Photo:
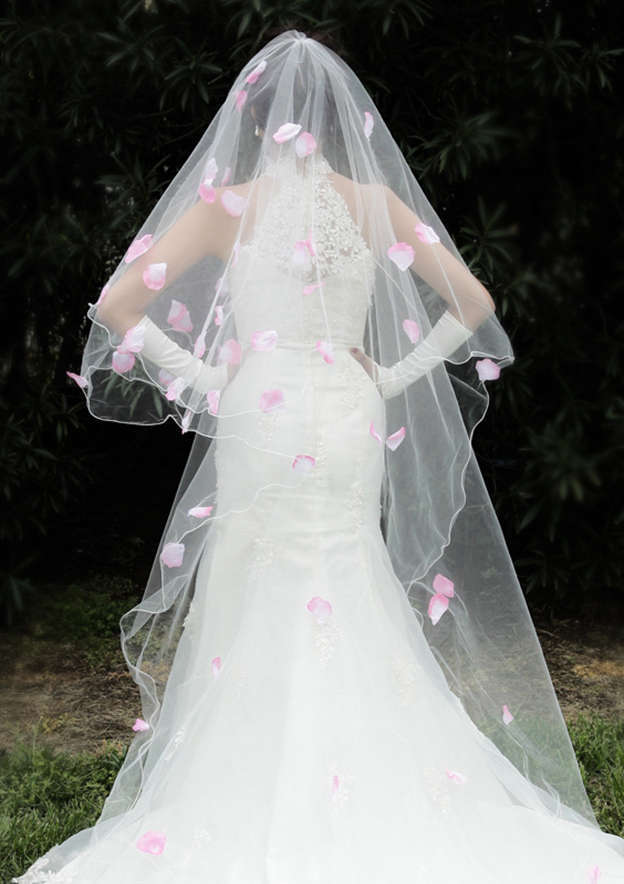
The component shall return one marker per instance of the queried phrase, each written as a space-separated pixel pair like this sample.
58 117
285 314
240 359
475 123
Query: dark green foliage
509 115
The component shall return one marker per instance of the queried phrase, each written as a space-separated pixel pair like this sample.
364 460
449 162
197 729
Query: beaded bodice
306 272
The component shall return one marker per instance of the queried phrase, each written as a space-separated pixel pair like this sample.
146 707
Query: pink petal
122 362
199 347
507 716
179 317
593 875
175 388
368 123
80 380
303 463
253 76
301 254
395 439
374 432
444 585
226 176
264 340
154 276
402 254
271 399
487 369
213 397
456 776
438 604
305 144
241 98
335 783
411 329
138 247
140 725
206 191
200 511
133 340
286 131
152 842
218 320
103 293
165 377
321 608
326 350
216 666
425 233
233 203
230 352
172 554
308 289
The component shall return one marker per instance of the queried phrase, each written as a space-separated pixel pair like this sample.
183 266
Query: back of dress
331 535
282 294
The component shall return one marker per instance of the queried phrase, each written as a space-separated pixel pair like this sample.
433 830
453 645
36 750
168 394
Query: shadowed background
510 118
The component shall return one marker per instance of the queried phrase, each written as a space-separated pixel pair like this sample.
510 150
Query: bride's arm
468 298
205 229
470 304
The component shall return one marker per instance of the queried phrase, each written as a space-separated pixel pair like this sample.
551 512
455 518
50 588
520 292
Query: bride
340 680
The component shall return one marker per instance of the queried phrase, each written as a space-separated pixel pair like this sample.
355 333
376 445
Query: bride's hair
264 96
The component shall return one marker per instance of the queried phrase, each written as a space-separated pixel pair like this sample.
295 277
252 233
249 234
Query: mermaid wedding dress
313 737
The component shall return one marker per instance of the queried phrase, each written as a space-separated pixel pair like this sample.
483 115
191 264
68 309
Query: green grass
45 796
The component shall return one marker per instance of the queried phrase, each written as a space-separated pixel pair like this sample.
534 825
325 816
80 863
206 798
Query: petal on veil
271 399
152 842
487 369
443 585
438 604
394 440
303 462
138 247
122 361
374 432
179 317
172 554
154 276
402 254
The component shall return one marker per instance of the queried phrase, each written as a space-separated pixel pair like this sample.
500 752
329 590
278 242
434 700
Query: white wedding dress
316 740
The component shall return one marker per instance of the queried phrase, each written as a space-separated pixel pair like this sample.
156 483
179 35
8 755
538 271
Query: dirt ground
74 708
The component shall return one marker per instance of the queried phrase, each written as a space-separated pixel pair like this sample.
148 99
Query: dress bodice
317 290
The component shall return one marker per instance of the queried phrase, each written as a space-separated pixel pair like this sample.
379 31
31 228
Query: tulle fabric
275 251
307 731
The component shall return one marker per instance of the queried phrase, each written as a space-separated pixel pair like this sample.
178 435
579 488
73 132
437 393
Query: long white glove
444 338
160 349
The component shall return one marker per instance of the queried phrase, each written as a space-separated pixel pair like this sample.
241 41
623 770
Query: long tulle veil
311 112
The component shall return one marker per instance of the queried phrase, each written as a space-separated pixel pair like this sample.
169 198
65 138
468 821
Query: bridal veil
296 109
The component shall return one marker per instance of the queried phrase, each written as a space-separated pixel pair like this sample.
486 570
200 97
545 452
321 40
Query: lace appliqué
36 874
267 421
436 783
340 786
339 246
407 675
262 556
325 636
174 745
190 620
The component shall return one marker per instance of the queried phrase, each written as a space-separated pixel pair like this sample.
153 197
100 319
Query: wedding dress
307 732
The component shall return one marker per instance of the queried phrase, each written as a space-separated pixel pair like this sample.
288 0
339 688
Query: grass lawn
68 704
